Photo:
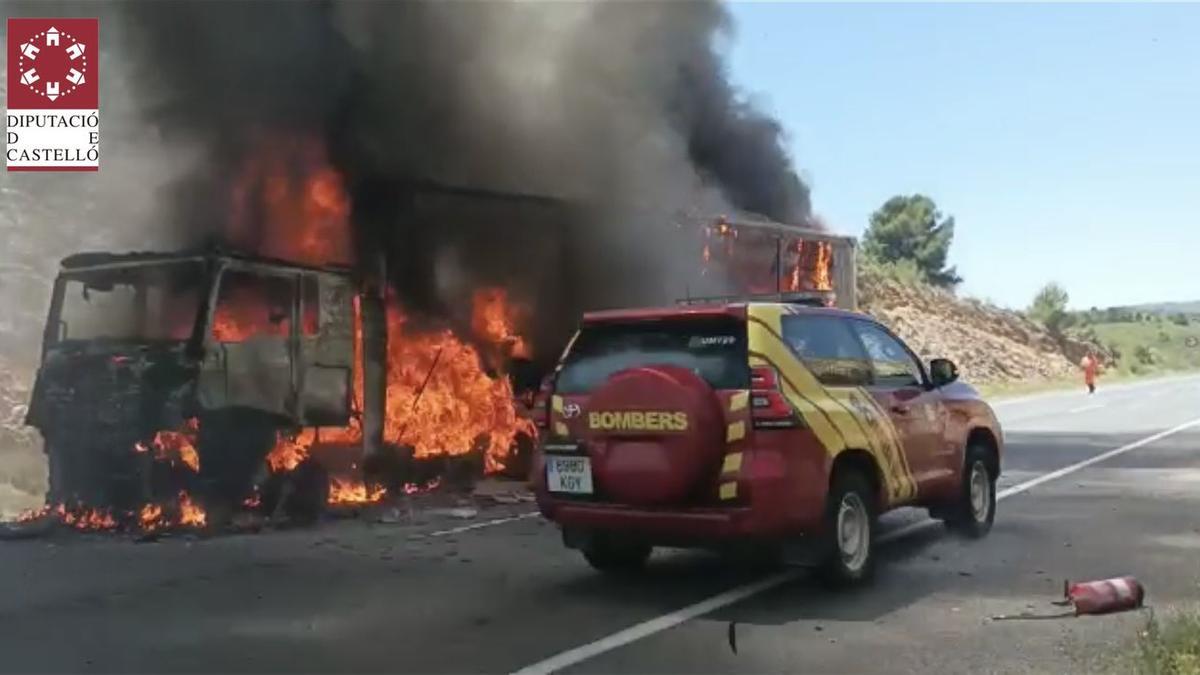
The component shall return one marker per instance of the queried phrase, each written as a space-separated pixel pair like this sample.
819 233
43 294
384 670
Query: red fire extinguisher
1105 596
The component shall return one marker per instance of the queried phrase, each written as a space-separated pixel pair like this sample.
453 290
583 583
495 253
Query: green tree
1050 308
912 228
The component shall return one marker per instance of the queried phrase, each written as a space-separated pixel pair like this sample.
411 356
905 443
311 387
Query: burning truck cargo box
758 257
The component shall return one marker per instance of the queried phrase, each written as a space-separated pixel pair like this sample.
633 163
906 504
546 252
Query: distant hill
1167 308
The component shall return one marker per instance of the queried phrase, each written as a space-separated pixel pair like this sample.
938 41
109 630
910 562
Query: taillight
541 404
769 409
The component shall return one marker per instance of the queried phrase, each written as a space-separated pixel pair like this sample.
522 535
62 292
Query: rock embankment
989 344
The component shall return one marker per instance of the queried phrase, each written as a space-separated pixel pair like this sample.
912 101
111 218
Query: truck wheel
610 555
975 509
849 537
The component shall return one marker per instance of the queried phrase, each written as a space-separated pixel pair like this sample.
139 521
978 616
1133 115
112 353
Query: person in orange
1091 366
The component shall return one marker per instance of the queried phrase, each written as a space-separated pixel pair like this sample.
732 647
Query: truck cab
141 343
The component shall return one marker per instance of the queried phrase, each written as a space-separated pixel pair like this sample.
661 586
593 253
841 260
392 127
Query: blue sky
1063 138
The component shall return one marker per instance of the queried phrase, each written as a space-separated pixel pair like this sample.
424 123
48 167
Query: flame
33 514
153 517
247 311
171 445
191 514
289 202
753 262
348 491
84 518
150 518
440 400
289 452
493 319
413 488
812 269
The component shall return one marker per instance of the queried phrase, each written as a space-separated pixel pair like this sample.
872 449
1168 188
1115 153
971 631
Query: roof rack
807 298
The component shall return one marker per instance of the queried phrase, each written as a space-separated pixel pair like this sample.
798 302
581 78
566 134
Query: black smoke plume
621 113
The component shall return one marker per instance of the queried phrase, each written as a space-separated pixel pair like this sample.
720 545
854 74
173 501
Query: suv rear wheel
975 510
849 530
609 554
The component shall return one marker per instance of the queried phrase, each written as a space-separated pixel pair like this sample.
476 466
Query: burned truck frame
141 348
142 343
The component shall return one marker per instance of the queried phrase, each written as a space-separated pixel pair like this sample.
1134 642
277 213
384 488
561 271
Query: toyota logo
571 410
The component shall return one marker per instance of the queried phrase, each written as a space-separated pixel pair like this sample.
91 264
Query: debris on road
460 513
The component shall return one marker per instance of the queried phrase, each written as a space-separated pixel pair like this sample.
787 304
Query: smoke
46 216
622 111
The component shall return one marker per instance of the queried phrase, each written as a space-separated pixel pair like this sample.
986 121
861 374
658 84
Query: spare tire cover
653 432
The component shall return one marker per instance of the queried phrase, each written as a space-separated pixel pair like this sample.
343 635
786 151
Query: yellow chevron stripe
728 490
739 401
735 432
732 463
839 419
895 441
556 404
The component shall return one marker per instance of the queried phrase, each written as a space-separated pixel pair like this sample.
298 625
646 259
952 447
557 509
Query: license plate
569 474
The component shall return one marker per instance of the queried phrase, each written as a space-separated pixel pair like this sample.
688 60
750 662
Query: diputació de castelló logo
53 116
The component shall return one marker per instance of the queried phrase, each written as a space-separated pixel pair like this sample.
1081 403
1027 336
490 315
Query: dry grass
1168 647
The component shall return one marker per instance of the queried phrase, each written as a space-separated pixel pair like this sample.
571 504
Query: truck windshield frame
149 302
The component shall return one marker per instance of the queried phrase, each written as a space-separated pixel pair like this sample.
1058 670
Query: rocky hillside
989 344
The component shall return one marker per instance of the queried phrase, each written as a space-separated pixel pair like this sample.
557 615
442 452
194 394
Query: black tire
614 556
848 557
974 510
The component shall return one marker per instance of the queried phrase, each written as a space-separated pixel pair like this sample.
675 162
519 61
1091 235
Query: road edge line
656 625
736 594
486 523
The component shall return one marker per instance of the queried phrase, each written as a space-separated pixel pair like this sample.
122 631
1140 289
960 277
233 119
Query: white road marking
486 523
1085 408
739 593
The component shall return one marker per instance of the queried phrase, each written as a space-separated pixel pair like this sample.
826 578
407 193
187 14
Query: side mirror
942 372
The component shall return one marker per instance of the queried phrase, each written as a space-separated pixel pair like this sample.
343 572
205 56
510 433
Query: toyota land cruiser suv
777 426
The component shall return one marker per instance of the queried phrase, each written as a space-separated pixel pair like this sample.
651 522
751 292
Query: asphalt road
1093 487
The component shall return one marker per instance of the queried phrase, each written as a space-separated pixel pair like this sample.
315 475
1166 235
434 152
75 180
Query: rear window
829 349
714 349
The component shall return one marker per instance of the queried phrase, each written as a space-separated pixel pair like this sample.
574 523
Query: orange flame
191 514
440 401
150 517
493 319
171 445
288 202
413 488
86 519
812 270
33 514
246 311
347 491
289 452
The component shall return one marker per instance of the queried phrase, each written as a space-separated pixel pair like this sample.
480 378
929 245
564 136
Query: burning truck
178 388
